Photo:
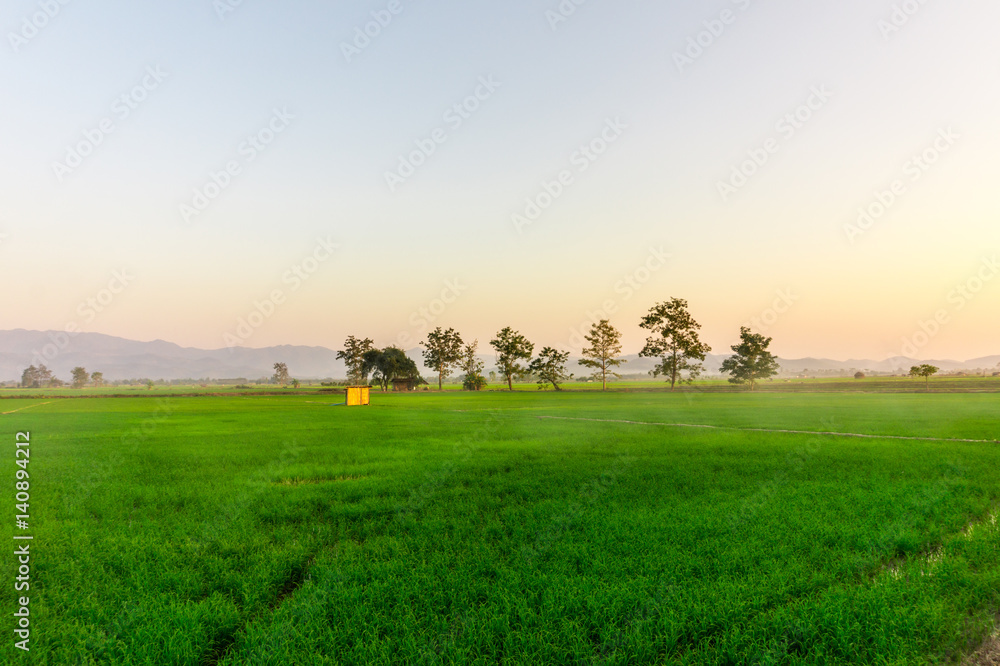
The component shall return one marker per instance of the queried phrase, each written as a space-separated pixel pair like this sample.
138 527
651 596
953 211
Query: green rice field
632 527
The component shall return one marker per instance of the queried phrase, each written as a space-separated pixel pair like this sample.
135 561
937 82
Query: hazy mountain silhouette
119 358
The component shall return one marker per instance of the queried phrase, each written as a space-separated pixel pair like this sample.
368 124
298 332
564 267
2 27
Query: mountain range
119 358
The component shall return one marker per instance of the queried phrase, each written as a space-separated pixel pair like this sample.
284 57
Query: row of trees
42 377
444 351
673 339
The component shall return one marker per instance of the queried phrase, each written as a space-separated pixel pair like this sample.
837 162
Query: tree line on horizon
673 339
42 377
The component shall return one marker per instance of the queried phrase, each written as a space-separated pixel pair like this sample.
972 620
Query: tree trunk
510 382
441 380
673 370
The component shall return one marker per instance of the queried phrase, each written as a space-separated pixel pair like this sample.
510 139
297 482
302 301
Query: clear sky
119 122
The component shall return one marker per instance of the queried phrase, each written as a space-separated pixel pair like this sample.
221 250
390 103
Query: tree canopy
443 352
80 377
39 377
752 362
675 341
280 374
390 364
473 368
601 355
511 348
550 367
924 370
353 357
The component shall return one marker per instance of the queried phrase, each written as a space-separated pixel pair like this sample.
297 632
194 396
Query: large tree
80 377
39 377
353 357
280 374
443 352
550 367
472 367
925 370
601 355
511 348
752 362
389 364
98 379
674 341
29 378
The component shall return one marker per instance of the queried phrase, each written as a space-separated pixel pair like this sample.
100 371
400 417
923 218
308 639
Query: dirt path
23 408
989 653
792 432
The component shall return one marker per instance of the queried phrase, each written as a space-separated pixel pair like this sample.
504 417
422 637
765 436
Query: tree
444 351
98 379
296 383
80 377
859 375
29 378
511 347
605 345
473 368
280 374
389 364
550 367
924 371
39 377
675 341
353 356
149 384
752 361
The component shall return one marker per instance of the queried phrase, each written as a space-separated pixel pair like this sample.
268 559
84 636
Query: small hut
405 384
358 395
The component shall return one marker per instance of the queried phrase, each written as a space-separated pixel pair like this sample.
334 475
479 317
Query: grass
463 528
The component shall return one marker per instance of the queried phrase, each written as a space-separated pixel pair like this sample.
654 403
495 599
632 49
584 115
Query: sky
255 173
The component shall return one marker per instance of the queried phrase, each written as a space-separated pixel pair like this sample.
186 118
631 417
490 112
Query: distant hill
119 358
